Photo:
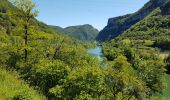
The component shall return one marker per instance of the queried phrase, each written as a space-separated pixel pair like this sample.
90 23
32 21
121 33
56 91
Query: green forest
39 62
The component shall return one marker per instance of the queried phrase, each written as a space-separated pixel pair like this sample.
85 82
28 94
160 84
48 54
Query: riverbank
97 52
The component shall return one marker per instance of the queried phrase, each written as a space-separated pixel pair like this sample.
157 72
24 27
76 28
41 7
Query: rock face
118 25
81 32
166 8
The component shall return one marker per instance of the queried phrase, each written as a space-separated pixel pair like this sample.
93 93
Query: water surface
97 51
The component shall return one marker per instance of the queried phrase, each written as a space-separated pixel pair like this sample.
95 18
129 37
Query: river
97 52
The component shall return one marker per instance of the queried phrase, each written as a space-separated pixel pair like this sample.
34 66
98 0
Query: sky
66 13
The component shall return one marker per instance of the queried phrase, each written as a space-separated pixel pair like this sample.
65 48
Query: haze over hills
118 25
81 32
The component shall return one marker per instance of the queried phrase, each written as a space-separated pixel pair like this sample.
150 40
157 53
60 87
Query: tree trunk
26 41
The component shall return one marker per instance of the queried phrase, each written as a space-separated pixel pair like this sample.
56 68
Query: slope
12 88
155 27
118 25
81 32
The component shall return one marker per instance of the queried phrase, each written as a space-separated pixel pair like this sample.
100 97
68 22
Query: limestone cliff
118 25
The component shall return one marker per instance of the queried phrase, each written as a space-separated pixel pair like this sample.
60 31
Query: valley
128 60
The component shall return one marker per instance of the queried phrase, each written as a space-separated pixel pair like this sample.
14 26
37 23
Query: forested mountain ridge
155 27
151 34
81 32
118 25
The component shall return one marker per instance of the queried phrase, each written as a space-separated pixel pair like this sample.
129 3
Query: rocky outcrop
118 25
166 9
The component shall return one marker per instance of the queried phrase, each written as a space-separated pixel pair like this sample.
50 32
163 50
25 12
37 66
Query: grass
11 87
166 92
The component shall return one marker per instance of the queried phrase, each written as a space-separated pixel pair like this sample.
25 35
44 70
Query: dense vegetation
167 60
37 60
81 32
154 29
141 45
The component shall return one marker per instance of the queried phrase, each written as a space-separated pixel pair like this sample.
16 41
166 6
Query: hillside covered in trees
144 41
39 62
118 25
81 32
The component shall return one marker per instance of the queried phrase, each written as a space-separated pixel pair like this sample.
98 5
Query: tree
122 81
82 83
167 61
25 11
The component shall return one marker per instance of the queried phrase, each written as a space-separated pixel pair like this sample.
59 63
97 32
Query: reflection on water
95 51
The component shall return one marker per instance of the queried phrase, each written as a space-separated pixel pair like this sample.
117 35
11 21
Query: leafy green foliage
136 64
122 81
86 81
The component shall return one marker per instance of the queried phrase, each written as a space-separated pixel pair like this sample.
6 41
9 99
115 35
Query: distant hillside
155 27
118 25
81 32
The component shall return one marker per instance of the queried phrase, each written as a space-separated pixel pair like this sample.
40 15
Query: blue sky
78 12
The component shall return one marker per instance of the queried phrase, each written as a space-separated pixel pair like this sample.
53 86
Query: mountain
81 32
142 43
118 25
154 28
